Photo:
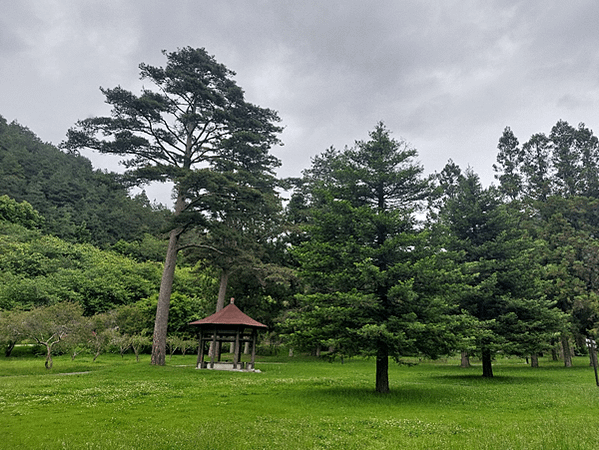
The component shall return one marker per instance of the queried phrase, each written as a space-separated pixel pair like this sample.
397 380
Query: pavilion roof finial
232 300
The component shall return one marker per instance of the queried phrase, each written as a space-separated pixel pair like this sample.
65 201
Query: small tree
504 296
138 342
76 341
20 213
187 344
49 325
172 344
98 342
120 341
11 329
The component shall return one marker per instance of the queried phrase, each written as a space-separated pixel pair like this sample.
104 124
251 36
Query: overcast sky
447 76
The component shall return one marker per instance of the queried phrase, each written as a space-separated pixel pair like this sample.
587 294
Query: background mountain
79 204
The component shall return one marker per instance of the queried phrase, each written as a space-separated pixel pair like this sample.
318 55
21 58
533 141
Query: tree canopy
197 130
503 294
366 263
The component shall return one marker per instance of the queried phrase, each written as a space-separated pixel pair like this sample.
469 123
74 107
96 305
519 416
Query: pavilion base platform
223 365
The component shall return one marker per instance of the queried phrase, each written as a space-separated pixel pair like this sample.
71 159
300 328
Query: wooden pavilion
231 325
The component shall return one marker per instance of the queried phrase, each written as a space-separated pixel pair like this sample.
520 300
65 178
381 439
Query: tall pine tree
195 129
372 279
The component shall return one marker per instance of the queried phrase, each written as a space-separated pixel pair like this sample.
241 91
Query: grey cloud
447 76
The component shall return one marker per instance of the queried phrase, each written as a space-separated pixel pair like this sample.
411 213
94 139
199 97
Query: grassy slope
294 404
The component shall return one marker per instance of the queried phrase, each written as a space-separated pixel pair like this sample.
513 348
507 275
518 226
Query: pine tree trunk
166 287
164 300
222 290
220 304
465 359
534 360
487 363
554 353
554 349
382 369
566 349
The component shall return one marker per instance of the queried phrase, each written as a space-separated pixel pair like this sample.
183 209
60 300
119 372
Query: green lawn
296 403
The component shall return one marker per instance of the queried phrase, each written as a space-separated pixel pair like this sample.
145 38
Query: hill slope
80 204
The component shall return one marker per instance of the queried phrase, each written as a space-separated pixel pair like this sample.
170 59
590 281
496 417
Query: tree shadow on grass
361 396
479 380
524 375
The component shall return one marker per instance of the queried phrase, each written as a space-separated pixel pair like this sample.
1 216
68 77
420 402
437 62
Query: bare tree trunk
487 363
382 369
222 290
166 287
9 348
566 349
220 304
164 300
534 360
465 359
49 361
593 356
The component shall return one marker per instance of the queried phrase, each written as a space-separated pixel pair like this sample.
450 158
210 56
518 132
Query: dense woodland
369 255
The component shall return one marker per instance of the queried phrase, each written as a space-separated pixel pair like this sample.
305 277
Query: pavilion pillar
214 347
254 335
236 353
200 363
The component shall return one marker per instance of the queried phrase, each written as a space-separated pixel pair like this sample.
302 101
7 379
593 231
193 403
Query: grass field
295 403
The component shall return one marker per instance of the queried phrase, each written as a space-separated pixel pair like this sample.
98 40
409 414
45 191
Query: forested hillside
80 237
349 267
78 203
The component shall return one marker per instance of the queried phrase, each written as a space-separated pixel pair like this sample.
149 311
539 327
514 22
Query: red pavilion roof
229 315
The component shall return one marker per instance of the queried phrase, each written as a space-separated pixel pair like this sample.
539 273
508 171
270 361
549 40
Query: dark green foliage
564 163
79 204
510 159
571 259
504 294
374 282
198 115
558 194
